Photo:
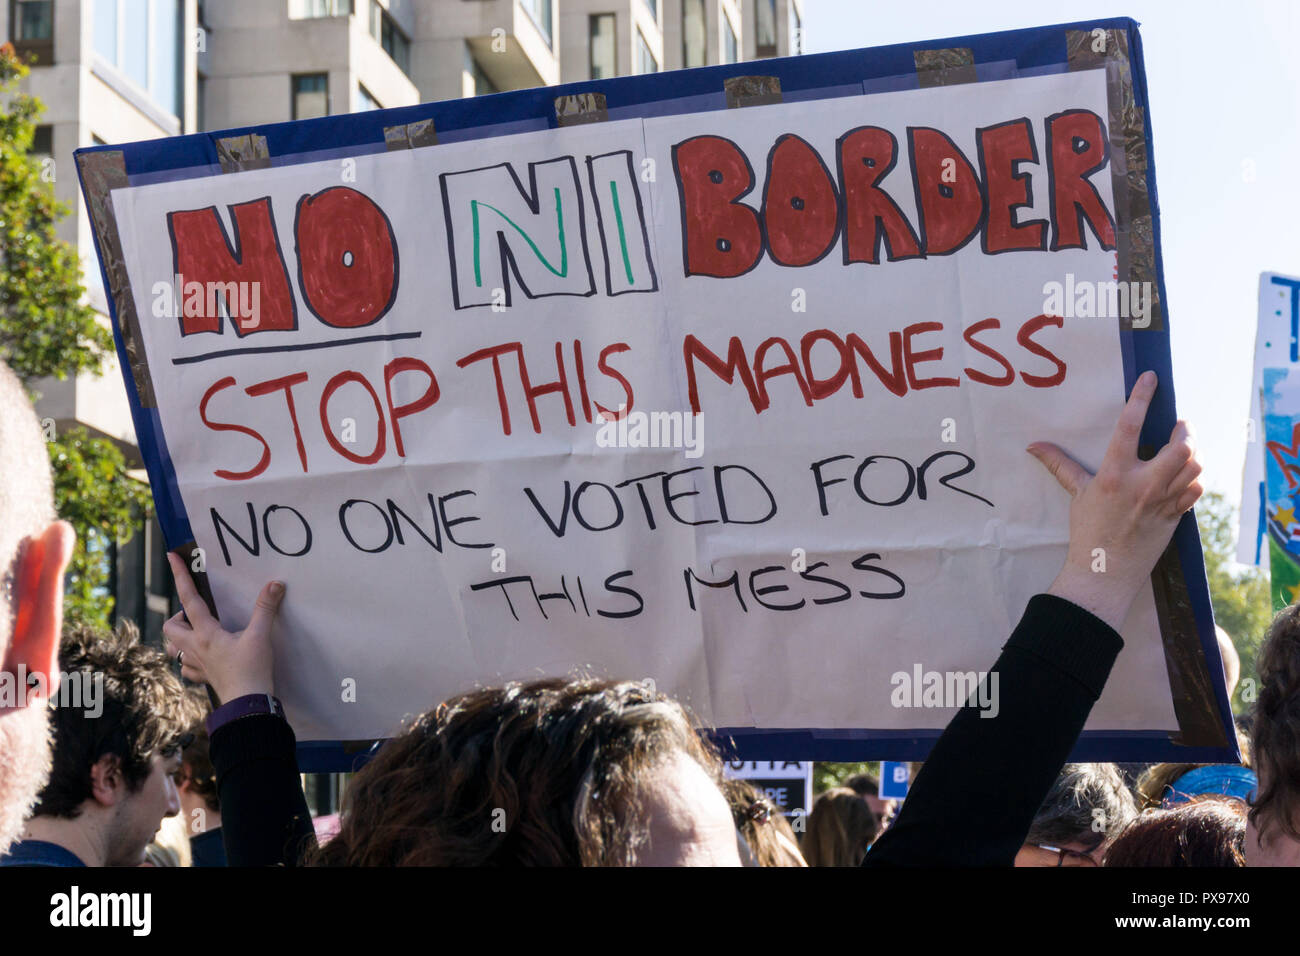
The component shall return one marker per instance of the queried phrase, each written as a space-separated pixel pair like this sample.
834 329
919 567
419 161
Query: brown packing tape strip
102 172
1190 682
745 91
411 135
1134 225
1189 674
239 153
579 108
949 67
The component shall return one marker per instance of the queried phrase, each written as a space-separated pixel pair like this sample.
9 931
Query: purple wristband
246 706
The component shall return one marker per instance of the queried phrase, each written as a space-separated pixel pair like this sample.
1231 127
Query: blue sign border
1004 55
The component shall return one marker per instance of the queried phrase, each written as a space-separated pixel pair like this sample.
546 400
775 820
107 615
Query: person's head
34 551
170 845
768 835
550 772
196 781
867 786
1273 833
1207 831
1169 784
1088 803
840 828
116 751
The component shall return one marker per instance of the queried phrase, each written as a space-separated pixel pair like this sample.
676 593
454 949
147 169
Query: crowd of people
601 772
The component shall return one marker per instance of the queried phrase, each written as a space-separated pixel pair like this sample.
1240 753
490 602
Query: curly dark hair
1208 831
145 712
196 761
1276 729
543 773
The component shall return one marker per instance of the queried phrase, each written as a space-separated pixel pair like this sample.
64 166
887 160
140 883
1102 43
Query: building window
310 95
796 29
316 9
603 49
542 13
133 41
365 101
106 30
765 28
695 34
653 6
142 40
42 142
390 36
31 23
164 83
645 60
730 48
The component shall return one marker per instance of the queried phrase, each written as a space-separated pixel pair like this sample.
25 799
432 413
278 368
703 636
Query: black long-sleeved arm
974 800
264 816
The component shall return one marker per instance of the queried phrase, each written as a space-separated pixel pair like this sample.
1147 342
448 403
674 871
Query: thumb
1071 475
268 603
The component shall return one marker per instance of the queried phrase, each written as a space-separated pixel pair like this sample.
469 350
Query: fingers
1189 498
1176 458
268 603
194 674
1071 475
180 638
177 635
195 608
1124 440
1191 471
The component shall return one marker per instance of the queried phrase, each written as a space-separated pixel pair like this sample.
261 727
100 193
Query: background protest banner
787 783
1269 532
717 380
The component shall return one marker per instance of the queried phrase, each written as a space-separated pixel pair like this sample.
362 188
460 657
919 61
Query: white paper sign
845 318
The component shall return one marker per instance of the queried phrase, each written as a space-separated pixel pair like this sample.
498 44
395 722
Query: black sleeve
264 815
974 800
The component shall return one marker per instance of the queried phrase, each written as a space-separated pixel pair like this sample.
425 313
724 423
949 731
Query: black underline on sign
252 350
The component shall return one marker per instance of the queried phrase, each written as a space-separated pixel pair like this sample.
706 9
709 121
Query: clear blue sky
1225 91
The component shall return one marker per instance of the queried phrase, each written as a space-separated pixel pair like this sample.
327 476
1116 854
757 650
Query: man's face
883 809
141 813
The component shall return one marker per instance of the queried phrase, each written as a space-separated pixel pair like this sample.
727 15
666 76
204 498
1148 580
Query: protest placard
786 783
1269 534
730 399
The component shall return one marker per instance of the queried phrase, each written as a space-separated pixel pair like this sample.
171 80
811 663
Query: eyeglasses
1066 857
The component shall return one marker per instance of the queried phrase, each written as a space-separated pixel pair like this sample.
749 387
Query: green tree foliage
1242 606
47 329
93 492
827 776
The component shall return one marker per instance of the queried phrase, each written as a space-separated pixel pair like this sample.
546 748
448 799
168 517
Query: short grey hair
1088 804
